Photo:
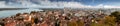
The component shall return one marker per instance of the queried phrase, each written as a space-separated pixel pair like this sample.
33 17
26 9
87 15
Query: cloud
79 5
110 6
73 4
3 5
48 4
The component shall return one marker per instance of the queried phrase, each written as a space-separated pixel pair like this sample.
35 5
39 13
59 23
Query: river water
7 13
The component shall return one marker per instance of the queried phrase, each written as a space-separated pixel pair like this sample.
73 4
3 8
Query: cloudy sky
94 2
61 3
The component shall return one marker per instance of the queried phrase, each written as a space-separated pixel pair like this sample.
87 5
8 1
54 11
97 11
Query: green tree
80 23
110 21
117 15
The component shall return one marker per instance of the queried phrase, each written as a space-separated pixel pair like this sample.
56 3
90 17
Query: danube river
7 13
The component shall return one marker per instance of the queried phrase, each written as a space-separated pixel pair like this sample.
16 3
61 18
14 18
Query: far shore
1 9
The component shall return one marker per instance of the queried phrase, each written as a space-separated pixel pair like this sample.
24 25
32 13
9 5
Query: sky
95 2
61 3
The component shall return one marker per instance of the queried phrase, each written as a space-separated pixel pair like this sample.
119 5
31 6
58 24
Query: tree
80 23
117 15
110 21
